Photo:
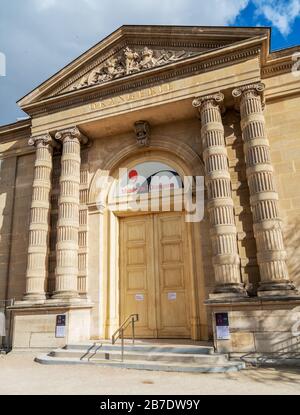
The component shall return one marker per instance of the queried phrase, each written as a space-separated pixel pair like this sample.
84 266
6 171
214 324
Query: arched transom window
147 177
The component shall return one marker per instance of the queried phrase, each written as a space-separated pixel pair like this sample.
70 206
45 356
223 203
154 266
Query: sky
39 37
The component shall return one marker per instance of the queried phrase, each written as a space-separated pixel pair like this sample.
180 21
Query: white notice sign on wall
172 296
139 297
60 328
223 333
60 332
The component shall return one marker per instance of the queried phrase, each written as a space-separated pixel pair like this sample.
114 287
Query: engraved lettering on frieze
129 62
134 96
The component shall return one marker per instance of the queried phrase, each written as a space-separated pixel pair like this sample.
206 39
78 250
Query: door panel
154 274
137 283
173 305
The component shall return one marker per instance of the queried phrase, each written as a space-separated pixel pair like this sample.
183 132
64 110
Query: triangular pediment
128 61
137 49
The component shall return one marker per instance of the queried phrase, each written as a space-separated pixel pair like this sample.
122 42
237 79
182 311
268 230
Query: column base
234 290
67 301
65 295
32 298
275 289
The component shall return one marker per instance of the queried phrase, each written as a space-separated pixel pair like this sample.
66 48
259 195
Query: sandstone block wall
283 127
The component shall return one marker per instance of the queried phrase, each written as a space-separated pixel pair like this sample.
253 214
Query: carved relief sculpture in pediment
128 62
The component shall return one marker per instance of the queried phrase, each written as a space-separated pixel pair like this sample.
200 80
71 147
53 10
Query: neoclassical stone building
187 101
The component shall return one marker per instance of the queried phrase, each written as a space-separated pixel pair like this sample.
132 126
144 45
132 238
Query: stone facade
215 103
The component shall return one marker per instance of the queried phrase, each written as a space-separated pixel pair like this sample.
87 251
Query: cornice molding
16 131
16 126
276 68
280 62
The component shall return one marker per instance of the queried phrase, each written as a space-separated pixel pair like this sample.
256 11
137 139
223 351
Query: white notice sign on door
139 297
172 296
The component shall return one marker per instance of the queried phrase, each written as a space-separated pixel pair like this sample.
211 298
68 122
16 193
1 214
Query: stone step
142 347
144 355
153 355
229 366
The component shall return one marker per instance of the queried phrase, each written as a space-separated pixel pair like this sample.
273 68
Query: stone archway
105 226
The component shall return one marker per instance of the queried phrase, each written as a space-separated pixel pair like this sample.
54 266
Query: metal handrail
7 303
119 334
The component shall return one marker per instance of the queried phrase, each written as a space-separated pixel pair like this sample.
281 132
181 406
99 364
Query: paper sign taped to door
139 297
172 296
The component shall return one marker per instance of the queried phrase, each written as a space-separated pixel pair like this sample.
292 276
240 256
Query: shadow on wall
7 190
241 196
16 178
268 334
284 340
292 244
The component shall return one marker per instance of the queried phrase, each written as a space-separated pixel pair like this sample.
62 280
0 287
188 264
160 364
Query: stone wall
36 328
7 193
263 329
283 124
20 226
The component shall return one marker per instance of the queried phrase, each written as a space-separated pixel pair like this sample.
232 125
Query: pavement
20 375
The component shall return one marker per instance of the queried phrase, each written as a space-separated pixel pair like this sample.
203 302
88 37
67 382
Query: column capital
71 133
43 139
217 98
257 88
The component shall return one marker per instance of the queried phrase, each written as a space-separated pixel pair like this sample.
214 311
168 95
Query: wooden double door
154 274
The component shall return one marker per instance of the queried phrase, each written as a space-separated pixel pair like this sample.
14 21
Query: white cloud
45 4
201 12
281 13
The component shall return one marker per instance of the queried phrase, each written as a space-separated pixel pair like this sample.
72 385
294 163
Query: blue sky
39 37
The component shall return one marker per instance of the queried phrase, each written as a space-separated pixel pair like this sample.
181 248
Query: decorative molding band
272 69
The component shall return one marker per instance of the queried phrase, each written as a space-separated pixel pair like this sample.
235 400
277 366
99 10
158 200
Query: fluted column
271 255
66 272
37 265
223 231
